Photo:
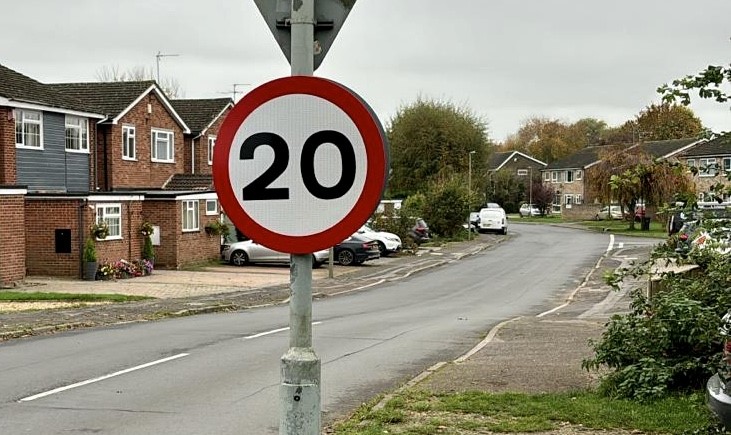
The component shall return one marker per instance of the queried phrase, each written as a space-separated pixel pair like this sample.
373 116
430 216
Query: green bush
671 343
447 207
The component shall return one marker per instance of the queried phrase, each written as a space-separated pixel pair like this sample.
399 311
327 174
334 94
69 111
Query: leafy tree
628 175
432 140
547 139
507 189
542 196
708 83
447 206
667 121
170 86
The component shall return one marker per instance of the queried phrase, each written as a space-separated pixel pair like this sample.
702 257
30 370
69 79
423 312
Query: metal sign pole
299 392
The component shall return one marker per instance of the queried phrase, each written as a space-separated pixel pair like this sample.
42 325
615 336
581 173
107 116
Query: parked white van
493 219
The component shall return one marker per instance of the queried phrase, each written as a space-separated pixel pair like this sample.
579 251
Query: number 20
259 190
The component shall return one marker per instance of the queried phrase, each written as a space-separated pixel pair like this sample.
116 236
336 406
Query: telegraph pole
299 392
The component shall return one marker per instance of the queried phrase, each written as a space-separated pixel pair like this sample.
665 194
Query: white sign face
292 208
300 164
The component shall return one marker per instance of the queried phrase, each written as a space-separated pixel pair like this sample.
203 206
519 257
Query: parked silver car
248 252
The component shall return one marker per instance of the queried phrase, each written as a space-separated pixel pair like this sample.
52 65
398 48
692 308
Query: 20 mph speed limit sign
300 163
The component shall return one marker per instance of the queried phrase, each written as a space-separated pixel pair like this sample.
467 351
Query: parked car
250 252
388 243
718 387
493 219
493 205
609 212
355 250
529 210
474 221
420 231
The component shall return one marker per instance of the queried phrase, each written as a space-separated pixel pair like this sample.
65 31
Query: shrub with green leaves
672 342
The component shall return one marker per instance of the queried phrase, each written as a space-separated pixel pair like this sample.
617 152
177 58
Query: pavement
533 354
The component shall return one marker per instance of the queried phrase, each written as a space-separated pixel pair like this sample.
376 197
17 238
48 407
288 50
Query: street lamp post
469 192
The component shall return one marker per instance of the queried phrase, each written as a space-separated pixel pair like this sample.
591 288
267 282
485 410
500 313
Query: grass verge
11 296
422 412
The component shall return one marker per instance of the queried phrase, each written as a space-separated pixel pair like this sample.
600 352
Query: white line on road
101 378
273 331
611 242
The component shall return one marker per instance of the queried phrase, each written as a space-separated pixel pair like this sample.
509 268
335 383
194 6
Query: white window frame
211 211
190 219
569 176
726 164
106 213
578 175
167 139
546 176
22 120
77 130
522 172
129 142
554 177
568 199
708 167
578 199
211 145
690 163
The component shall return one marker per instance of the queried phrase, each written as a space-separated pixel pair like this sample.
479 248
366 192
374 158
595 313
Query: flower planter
90 269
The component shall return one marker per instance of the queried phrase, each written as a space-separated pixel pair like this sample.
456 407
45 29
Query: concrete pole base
299 393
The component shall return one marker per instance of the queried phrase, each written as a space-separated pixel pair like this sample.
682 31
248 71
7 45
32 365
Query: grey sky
506 60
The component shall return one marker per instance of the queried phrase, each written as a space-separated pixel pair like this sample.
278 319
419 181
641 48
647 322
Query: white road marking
101 378
273 331
611 242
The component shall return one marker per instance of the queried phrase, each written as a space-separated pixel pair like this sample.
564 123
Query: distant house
713 162
568 176
516 163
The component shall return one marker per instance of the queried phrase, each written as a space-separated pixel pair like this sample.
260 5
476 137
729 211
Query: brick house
141 159
712 159
568 176
523 166
204 117
47 142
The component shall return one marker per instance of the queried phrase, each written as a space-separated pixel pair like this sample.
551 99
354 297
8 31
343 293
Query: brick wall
130 246
177 248
201 164
8 173
12 239
43 217
143 172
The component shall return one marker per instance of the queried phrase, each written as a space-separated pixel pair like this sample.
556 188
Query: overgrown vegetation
670 343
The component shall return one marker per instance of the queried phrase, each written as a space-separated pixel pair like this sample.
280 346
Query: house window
579 174
77 134
162 146
568 199
727 164
129 146
578 199
554 177
211 144
522 172
690 163
190 215
28 128
546 176
211 207
111 214
707 167
569 176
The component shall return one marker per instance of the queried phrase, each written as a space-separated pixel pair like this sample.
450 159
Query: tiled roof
16 86
579 159
662 148
720 146
497 159
186 182
110 98
199 114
